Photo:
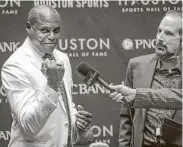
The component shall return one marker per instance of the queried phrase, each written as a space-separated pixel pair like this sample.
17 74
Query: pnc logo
135 44
127 44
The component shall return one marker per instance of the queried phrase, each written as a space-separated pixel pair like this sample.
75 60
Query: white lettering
84 89
96 131
11 46
155 2
146 2
143 43
174 1
5 135
108 131
11 3
89 43
70 3
83 44
104 131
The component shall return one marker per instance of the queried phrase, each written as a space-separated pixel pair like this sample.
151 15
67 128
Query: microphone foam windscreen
84 68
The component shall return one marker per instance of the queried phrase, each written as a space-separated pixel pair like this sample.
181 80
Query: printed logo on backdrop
10 7
135 6
73 3
3 98
103 133
9 46
5 135
98 144
85 47
136 44
83 89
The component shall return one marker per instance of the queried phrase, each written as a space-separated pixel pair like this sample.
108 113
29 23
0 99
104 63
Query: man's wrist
131 95
52 85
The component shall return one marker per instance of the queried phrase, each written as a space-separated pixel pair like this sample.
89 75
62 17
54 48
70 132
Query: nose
51 36
160 36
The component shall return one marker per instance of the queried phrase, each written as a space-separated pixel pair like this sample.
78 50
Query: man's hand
122 91
83 118
54 72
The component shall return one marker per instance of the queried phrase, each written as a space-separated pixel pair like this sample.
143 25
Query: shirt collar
159 66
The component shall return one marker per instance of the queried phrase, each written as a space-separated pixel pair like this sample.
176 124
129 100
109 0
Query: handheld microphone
92 76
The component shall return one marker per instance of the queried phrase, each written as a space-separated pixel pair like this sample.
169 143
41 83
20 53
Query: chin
49 50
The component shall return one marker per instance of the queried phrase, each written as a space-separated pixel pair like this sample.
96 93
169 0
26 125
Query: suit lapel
35 59
145 80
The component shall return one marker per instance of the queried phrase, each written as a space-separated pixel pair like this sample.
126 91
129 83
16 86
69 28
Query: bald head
40 11
43 28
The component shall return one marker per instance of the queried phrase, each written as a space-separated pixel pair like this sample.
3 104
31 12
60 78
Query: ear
27 27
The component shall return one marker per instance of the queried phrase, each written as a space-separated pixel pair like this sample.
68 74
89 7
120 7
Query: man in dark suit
155 71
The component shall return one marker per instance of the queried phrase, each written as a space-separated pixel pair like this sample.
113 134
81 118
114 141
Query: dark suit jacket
139 74
165 98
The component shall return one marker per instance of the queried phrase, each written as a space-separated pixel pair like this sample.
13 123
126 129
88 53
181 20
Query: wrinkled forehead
48 16
172 23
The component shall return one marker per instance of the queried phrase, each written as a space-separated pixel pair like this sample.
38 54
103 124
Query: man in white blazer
40 118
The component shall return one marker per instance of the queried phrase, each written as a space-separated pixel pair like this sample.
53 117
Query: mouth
50 44
161 47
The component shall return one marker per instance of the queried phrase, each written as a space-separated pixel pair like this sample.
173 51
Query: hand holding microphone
122 91
118 93
54 71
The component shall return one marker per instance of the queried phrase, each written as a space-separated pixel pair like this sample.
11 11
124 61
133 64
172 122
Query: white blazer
37 120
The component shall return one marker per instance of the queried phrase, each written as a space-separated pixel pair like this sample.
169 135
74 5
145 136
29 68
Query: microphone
92 76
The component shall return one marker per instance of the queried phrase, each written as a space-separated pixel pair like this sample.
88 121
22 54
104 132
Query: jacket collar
34 54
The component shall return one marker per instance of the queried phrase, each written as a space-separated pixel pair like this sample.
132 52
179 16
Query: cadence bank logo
9 46
82 89
73 3
85 47
105 133
149 5
9 7
129 44
5 135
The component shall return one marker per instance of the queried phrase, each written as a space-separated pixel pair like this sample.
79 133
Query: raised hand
54 71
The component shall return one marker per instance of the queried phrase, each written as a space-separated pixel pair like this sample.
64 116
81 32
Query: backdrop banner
105 34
